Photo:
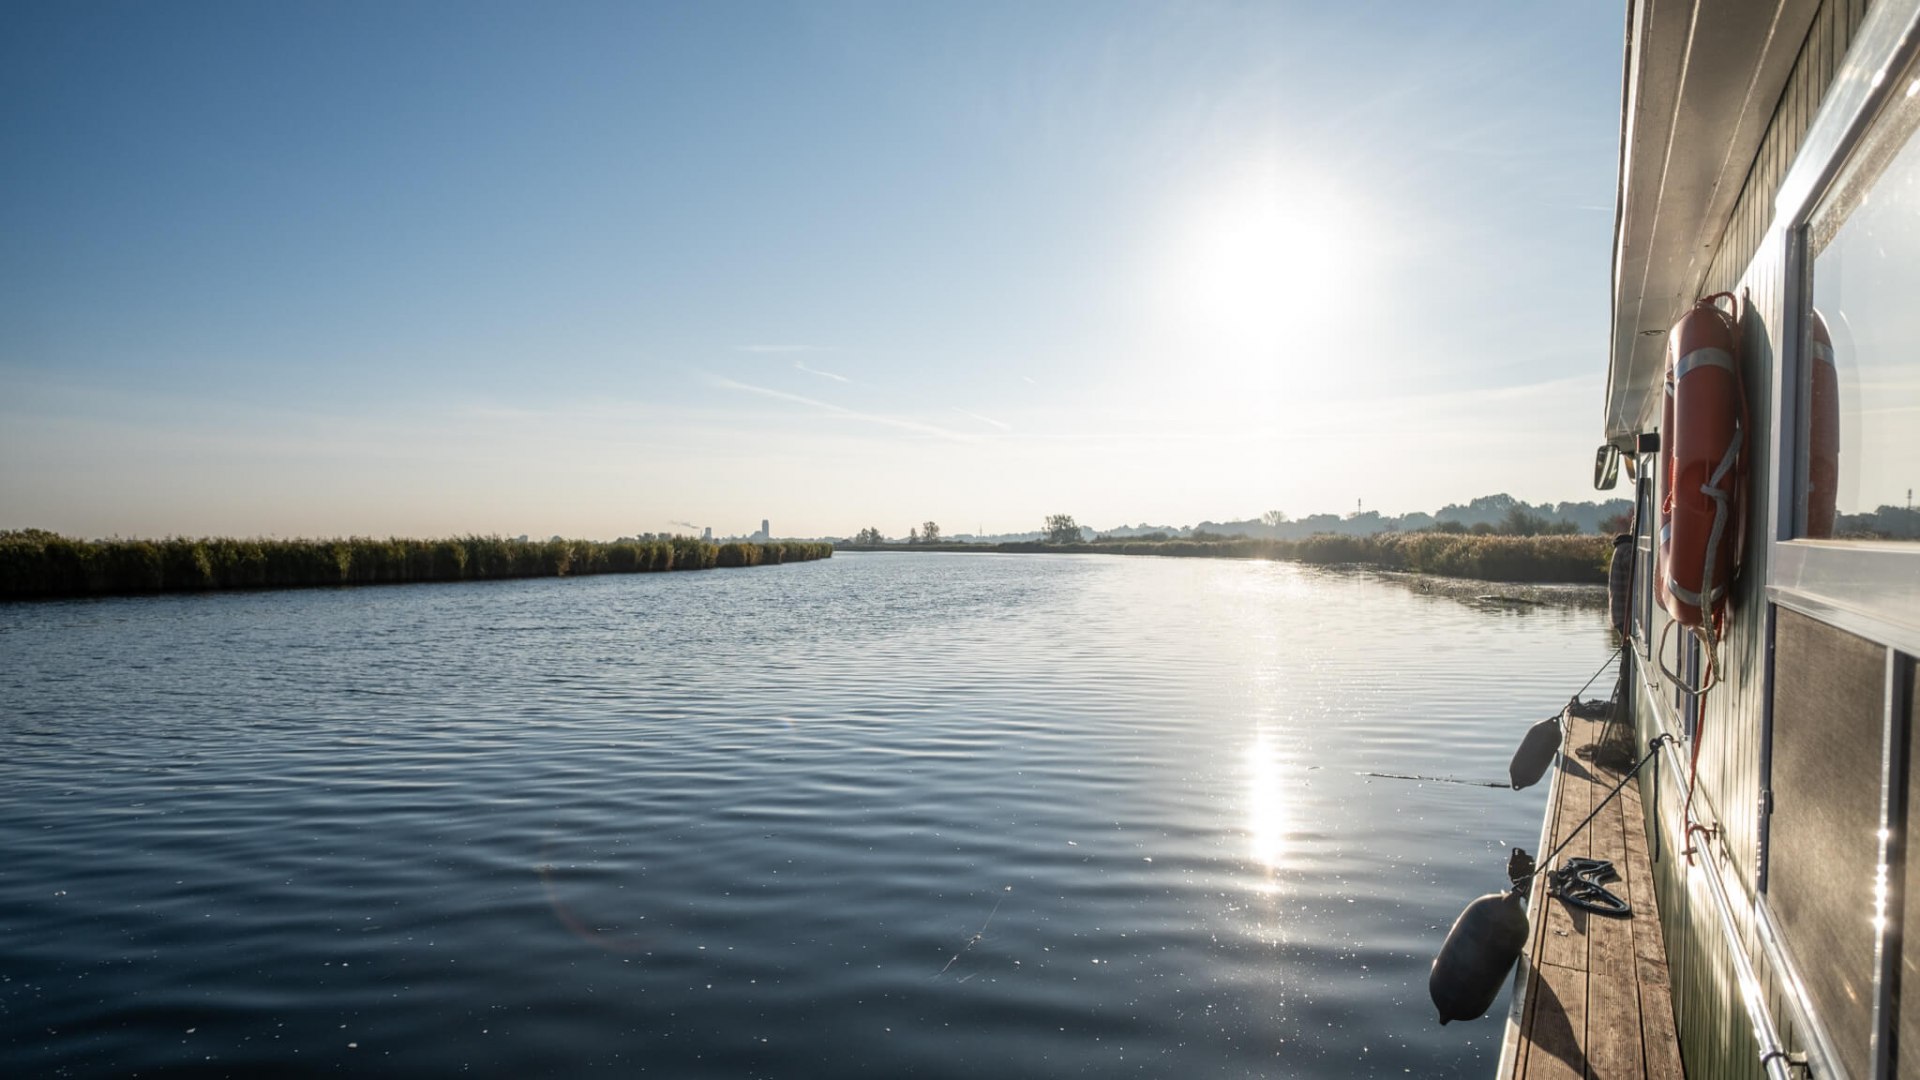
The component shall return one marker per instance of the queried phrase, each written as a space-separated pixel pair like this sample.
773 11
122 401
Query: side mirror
1606 467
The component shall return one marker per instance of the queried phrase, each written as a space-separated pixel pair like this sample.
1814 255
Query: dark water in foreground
885 815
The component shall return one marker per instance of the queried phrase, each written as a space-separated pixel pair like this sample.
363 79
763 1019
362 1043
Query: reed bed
35 563
1577 559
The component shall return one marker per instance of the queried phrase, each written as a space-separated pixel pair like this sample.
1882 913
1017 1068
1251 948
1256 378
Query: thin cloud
785 348
839 410
799 366
983 419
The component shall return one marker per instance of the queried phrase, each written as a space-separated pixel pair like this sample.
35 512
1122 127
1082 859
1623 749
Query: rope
1546 865
1715 605
1712 607
1604 664
1707 639
1699 694
1656 810
1693 776
1614 710
1582 883
1438 779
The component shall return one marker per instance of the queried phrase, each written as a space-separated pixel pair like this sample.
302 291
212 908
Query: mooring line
977 935
1604 665
1438 779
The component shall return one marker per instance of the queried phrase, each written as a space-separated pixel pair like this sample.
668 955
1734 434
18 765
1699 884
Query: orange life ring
1823 431
1703 435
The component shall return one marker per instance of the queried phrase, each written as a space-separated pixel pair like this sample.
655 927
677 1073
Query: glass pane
1829 709
1863 424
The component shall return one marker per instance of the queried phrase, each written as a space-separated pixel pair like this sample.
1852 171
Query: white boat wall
1768 151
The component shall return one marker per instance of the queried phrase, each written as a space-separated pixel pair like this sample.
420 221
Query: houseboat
1763 402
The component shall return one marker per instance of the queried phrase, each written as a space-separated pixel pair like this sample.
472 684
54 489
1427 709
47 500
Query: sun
1263 268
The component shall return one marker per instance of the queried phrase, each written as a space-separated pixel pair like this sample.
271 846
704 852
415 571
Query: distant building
707 533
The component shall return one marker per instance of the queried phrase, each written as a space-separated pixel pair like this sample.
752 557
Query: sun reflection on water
1267 816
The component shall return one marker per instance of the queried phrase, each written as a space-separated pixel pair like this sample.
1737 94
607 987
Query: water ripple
881 815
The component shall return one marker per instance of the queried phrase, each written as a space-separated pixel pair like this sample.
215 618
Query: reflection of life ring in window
1823 431
1703 430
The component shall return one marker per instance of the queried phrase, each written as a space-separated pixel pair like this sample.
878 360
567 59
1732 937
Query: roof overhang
1703 78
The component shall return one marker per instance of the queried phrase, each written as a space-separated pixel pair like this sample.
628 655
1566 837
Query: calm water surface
938 815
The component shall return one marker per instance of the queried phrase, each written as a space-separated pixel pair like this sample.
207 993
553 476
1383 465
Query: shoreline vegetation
1544 560
37 564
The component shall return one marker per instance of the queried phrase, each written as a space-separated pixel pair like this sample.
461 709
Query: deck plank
1559 1050
1659 1039
1566 940
1598 1004
1536 929
1536 945
1613 992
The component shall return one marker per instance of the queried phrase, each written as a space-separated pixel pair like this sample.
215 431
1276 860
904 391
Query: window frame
1868 588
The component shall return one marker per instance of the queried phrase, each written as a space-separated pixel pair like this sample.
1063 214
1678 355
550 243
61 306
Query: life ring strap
1703 357
1691 598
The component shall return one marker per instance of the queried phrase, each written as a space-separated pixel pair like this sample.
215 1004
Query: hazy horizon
492 268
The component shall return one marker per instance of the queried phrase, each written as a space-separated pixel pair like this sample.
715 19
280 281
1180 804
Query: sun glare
1261 272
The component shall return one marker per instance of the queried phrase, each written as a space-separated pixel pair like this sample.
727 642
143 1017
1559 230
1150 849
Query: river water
884 815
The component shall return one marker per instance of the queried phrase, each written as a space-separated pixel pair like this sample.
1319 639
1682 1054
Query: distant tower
707 534
766 531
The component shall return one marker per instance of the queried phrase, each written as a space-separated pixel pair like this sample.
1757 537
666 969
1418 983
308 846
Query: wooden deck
1593 997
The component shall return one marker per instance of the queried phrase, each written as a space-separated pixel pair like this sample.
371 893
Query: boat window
1643 570
1829 716
1860 375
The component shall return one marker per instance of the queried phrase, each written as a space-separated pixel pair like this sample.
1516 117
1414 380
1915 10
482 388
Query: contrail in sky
839 410
798 366
983 419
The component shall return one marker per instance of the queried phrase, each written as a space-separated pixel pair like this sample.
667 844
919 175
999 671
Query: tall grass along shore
35 563
1578 559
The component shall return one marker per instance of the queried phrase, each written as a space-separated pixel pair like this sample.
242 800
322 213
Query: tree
1275 518
929 533
913 536
1062 529
869 535
1518 521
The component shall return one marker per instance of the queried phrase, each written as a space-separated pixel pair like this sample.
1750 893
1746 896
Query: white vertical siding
1751 262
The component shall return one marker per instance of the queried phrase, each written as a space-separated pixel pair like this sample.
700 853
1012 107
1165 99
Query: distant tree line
1886 523
1489 515
1576 559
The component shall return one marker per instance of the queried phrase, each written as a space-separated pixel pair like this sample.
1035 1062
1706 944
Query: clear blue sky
592 269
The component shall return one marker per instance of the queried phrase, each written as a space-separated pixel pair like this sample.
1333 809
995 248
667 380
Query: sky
601 269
